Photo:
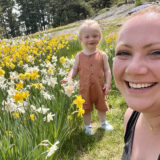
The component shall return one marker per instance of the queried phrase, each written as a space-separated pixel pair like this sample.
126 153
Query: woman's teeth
138 86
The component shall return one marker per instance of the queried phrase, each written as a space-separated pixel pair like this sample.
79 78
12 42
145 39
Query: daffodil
2 72
81 111
108 40
19 86
15 114
69 117
62 59
18 97
32 117
79 101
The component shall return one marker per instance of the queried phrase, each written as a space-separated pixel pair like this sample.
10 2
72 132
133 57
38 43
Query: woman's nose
136 66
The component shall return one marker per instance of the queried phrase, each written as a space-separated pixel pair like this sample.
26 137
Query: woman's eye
156 53
123 53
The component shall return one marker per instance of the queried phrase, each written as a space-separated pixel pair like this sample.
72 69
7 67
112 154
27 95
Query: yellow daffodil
32 117
34 75
19 86
21 76
108 40
18 97
67 70
2 72
79 101
69 117
50 71
81 111
27 75
110 46
62 59
15 114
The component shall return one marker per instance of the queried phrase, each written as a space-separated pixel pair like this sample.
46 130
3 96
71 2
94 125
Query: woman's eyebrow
151 44
124 45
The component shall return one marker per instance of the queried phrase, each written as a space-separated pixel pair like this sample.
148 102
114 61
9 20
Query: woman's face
136 66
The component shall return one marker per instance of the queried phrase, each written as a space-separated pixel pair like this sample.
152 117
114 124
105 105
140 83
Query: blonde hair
152 8
89 23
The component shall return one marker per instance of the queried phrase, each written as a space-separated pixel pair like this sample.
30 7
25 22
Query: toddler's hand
106 89
64 80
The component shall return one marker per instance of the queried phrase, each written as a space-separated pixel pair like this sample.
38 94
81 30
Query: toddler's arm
73 72
107 73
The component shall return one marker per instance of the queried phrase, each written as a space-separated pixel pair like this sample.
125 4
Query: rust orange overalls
91 78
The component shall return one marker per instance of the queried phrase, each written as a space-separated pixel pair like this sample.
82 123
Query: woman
136 70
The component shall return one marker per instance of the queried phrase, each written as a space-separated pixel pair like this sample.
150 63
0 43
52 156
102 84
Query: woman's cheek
116 66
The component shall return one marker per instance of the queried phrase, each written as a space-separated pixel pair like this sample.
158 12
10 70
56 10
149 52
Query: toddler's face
136 66
89 38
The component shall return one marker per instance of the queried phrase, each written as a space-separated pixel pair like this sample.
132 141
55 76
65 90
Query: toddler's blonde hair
89 23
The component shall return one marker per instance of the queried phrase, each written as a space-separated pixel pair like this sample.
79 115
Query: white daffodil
44 143
11 91
21 109
25 66
52 82
10 106
13 75
71 87
62 72
42 110
52 149
54 59
32 69
69 90
44 71
33 107
46 95
49 117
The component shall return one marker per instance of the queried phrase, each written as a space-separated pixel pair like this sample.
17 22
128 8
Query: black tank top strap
128 139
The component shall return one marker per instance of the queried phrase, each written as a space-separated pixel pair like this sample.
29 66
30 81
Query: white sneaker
88 130
106 126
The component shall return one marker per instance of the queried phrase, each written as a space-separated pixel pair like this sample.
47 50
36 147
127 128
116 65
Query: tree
34 14
67 11
8 19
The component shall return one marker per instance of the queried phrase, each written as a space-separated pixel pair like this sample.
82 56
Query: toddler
93 68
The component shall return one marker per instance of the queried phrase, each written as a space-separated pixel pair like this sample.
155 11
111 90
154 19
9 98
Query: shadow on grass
80 143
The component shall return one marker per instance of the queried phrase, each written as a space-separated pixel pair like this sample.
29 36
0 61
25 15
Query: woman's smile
142 85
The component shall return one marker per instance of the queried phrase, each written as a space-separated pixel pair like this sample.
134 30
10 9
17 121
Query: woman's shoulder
127 116
130 118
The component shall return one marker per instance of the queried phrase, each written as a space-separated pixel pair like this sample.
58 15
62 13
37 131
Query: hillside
114 15
34 104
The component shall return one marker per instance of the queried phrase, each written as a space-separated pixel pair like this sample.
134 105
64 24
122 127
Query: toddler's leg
104 124
101 116
87 118
87 122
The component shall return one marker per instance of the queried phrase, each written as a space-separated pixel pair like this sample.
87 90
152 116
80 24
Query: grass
103 144
74 144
